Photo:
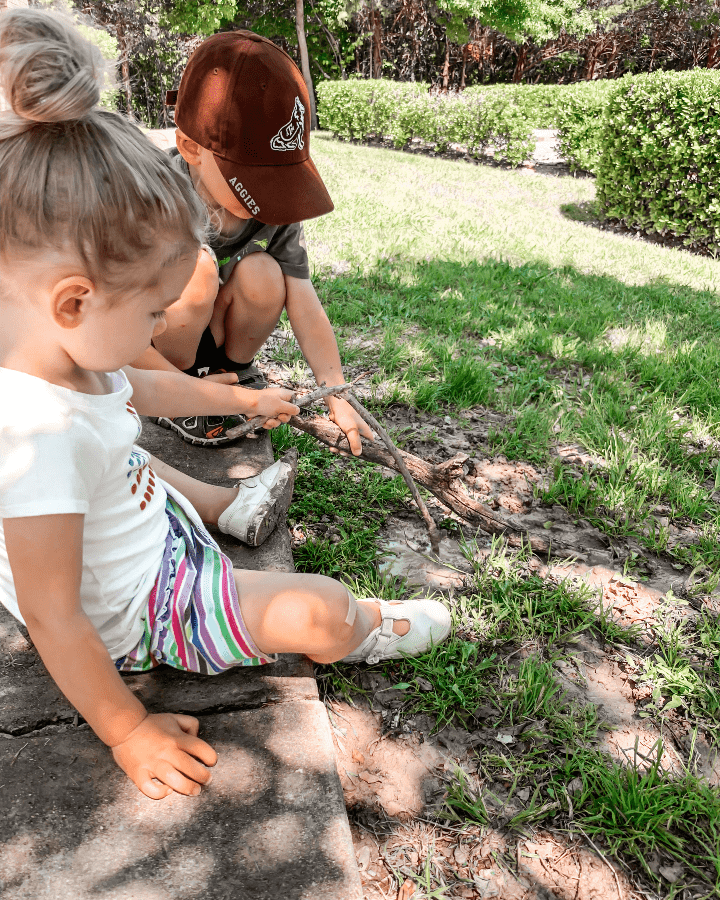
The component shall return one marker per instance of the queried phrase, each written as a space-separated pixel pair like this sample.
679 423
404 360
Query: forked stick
402 468
306 400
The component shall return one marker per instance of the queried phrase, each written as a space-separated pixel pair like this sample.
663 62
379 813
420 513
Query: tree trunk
376 60
124 68
714 49
446 67
520 64
464 63
591 60
305 59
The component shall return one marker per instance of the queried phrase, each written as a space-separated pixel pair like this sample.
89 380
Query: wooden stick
305 400
444 481
402 468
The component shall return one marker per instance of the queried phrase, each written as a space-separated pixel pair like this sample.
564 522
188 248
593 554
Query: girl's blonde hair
74 176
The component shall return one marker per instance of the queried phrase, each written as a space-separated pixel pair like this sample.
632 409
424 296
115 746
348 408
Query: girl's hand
273 404
164 754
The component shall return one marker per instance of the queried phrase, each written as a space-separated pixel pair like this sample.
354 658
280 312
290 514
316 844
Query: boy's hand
166 748
273 404
348 421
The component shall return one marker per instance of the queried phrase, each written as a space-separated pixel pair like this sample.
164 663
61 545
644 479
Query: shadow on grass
662 337
589 213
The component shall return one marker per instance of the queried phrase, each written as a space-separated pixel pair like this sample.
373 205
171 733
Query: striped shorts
193 620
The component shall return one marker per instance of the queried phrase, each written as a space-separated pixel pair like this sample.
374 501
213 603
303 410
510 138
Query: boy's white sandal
430 624
262 501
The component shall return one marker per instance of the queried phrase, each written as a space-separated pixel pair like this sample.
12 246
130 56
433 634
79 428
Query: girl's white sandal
262 501
430 623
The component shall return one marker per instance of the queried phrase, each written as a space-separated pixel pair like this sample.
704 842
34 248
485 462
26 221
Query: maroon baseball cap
244 99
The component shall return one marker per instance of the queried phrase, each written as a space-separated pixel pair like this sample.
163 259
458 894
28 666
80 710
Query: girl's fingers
190 767
151 788
169 775
197 748
189 724
366 430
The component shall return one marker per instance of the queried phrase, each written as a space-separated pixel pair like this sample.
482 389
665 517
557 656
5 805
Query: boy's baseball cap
244 99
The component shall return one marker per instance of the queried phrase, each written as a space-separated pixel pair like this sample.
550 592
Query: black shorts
207 356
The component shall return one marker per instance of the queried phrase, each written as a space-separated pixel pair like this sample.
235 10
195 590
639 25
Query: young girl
103 553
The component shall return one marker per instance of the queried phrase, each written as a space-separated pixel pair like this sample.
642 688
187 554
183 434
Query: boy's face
210 182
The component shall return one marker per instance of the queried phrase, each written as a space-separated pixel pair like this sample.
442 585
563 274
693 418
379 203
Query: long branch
305 400
444 481
400 465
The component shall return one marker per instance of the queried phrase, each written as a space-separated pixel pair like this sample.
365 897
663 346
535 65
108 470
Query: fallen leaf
461 855
672 873
504 739
575 786
369 778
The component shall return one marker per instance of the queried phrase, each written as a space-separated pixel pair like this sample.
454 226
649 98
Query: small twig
402 468
604 859
18 753
306 400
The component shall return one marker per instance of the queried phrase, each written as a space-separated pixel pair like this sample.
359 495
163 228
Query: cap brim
282 194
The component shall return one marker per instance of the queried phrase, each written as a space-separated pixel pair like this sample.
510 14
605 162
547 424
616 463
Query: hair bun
48 71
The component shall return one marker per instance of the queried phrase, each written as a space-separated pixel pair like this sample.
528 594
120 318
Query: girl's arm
45 554
168 394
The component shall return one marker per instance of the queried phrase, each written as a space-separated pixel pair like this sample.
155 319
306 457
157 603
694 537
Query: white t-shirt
66 452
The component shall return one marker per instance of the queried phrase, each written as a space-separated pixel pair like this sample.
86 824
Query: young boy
242 112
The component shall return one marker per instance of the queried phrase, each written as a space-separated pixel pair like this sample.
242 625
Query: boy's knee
198 298
258 279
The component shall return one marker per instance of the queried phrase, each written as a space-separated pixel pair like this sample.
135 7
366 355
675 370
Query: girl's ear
71 298
189 149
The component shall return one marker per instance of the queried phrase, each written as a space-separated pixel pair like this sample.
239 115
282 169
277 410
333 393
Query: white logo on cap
292 135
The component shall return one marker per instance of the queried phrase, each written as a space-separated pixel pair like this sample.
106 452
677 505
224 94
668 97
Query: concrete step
272 823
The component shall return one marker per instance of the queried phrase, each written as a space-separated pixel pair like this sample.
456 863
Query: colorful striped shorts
193 619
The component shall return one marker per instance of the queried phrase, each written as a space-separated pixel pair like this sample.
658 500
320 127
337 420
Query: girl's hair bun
48 71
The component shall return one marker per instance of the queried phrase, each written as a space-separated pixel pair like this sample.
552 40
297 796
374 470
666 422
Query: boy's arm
316 338
162 747
169 394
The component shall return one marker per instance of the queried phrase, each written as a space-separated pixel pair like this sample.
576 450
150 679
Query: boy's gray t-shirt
285 243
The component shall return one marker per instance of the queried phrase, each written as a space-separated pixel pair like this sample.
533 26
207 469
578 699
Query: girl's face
114 334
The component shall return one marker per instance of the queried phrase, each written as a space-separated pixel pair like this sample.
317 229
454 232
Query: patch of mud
405 552
398 776
437 438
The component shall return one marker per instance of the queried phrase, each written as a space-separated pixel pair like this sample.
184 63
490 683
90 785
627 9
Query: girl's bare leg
208 499
310 614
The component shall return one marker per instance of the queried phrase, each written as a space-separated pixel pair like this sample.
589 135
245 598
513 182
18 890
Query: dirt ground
394 784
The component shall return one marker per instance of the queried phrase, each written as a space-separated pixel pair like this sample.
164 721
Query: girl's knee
322 610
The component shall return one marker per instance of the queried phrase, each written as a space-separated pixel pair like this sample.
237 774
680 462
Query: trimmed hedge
579 122
502 115
356 109
659 170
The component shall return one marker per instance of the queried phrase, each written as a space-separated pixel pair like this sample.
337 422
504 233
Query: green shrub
402 111
502 115
579 122
659 170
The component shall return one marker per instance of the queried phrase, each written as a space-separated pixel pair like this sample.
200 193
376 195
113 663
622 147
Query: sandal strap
383 637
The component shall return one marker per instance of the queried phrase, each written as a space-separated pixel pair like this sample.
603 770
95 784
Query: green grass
343 498
489 296
479 287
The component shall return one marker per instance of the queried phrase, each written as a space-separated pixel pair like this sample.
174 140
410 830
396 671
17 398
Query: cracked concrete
271 824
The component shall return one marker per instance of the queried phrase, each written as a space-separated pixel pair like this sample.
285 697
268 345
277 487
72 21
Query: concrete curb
272 823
